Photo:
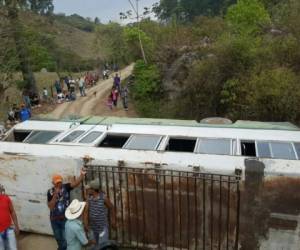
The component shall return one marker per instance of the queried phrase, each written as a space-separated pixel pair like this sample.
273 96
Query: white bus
32 151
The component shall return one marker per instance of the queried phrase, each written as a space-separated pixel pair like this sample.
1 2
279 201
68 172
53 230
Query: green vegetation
147 88
239 61
32 38
77 21
187 10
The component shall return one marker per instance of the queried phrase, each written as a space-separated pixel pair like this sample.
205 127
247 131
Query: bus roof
240 124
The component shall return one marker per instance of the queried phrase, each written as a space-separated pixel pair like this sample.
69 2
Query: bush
147 89
275 95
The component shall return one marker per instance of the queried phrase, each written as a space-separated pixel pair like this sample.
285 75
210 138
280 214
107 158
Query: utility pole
136 10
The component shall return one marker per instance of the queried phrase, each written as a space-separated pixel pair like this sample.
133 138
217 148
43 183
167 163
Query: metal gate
168 209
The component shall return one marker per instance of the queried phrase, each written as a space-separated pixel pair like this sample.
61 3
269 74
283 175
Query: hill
58 44
67 34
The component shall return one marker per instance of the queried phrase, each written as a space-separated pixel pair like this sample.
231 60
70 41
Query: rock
276 32
176 73
44 70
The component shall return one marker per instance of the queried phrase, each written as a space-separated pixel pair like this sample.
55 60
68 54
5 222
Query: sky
106 10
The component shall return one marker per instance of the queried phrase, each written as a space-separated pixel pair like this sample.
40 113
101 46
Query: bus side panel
26 180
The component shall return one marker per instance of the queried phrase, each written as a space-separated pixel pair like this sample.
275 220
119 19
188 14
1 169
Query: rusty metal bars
165 209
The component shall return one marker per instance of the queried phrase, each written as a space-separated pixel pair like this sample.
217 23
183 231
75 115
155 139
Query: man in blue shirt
25 113
58 201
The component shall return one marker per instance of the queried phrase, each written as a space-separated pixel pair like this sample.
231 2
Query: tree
97 20
138 18
8 56
20 43
187 10
248 16
275 95
133 36
42 7
109 40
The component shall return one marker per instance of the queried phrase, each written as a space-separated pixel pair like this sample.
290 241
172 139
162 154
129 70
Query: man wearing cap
58 201
97 207
7 216
75 235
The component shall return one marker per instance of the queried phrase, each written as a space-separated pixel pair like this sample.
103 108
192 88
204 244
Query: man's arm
78 180
110 206
81 236
86 217
14 218
52 201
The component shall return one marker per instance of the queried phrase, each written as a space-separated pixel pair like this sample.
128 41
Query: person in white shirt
82 87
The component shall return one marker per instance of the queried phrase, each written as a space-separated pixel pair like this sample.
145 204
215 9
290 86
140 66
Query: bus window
91 137
114 141
143 142
41 137
297 147
20 136
214 146
248 148
181 145
72 136
282 150
263 149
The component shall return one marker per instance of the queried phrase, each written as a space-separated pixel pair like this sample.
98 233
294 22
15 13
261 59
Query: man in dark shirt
58 201
117 82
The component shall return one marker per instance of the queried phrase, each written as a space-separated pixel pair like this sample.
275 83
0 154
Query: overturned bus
174 184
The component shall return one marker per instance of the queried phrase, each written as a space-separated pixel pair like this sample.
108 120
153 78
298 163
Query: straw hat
74 210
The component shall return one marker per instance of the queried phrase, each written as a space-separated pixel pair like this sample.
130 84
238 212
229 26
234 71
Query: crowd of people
66 87
18 114
75 224
118 92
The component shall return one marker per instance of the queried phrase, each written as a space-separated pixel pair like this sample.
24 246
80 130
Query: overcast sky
106 10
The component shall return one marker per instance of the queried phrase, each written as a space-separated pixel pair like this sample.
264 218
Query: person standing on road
81 86
75 235
124 96
67 82
7 216
57 87
115 96
96 220
45 95
117 82
58 201
110 101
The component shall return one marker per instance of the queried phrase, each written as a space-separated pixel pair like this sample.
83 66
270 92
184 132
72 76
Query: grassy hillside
66 36
51 41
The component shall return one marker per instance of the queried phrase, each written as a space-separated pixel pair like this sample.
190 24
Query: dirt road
36 241
94 103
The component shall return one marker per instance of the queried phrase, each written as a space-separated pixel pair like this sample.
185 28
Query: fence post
254 215
86 160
